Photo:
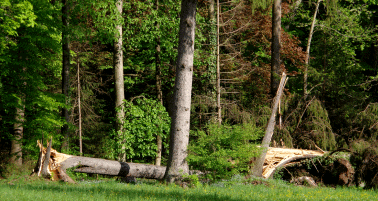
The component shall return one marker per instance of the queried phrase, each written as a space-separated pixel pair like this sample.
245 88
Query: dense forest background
336 106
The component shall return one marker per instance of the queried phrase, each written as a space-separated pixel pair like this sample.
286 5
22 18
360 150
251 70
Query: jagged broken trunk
58 163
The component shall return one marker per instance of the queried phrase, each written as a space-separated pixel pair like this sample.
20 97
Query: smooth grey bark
65 71
258 165
113 168
119 80
159 91
276 46
307 58
180 126
18 132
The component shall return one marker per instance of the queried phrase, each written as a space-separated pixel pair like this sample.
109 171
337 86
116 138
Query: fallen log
58 163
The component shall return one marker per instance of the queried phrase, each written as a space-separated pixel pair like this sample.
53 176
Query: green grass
111 190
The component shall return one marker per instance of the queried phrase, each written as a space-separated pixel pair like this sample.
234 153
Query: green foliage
193 180
144 120
13 14
29 70
308 125
224 150
144 25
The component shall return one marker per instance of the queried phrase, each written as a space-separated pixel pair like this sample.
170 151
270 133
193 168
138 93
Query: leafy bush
144 120
224 150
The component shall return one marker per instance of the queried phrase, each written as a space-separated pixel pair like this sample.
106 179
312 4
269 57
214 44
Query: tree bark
65 72
276 46
79 107
307 58
119 80
258 165
213 65
159 91
180 126
219 106
57 163
16 143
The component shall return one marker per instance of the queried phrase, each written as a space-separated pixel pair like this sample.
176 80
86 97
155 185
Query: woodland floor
234 189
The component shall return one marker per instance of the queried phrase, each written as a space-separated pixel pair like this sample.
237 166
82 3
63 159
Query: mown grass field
112 190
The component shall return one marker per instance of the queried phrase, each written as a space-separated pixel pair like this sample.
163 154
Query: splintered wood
54 160
279 157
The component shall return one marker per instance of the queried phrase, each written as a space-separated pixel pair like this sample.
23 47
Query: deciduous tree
180 126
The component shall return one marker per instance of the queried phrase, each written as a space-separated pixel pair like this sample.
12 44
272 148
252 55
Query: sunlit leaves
144 120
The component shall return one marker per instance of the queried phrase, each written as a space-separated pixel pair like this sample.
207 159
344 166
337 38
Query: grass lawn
111 190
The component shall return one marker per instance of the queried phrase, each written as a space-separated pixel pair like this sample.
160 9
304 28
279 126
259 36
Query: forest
188 84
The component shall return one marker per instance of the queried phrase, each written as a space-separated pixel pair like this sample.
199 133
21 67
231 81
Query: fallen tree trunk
114 168
58 163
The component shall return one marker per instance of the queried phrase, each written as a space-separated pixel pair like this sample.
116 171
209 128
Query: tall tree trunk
177 164
119 81
79 107
307 58
258 164
212 69
18 131
276 46
65 72
219 106
159 91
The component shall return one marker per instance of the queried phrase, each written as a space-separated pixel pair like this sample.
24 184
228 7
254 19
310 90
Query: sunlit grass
111 190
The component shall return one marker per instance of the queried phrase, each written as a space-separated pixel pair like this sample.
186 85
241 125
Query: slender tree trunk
159 92
79 107
307 58
213 55
65 72
177 164
18 131
276 46
258 164
119 81
219 106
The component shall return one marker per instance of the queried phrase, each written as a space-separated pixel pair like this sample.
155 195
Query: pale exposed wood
280 157
45 172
